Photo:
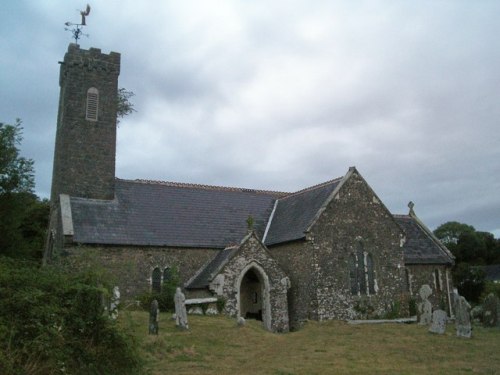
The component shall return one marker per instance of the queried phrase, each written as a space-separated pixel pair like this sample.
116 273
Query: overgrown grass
215 345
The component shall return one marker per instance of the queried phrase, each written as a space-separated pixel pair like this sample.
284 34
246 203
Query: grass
215 345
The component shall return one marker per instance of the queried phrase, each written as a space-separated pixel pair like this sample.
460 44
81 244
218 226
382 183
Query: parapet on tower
84 156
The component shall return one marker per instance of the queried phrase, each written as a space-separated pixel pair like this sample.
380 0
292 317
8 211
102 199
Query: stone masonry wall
356 218
84 157
420 274
295 258
252 255
133 266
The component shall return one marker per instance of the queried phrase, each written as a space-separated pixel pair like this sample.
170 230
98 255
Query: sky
282 95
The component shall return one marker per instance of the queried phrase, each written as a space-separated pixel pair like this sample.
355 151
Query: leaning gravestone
154 312
425 306
439 319
462 318
491 311
181 320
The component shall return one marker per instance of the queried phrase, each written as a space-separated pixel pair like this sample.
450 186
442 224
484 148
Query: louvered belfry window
92 104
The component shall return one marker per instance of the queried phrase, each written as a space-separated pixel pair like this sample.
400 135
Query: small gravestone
425 306
491 311
439 319
181 320
462 317
241 321
212 309
154 313
115 301
195 310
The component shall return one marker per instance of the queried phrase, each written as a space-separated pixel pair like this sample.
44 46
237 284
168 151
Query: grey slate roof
171 214
492 272
203 278
420 247
295 212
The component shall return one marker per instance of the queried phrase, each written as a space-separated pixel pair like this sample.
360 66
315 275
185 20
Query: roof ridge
313 187
206 187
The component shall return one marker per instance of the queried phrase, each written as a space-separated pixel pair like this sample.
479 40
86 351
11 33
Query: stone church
329 251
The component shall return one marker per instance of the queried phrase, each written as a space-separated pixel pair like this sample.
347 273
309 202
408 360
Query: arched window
361 269
370 274
361 272
92 104
156 281
353 275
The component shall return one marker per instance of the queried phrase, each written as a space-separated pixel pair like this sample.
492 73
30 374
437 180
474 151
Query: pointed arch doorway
253 295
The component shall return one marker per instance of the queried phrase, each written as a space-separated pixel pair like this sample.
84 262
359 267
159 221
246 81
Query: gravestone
491 311
181 320
439 319
425 306
462 317
113 305
195 310
154 313
212 309
241 321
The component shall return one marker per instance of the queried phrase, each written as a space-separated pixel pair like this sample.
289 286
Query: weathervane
77 29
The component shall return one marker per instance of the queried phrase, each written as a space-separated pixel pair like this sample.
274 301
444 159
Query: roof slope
420 246
203 278
294 213
169 214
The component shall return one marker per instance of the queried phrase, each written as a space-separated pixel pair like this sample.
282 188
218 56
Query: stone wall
253 256
133 266
356 219
296 258
437 277
84 157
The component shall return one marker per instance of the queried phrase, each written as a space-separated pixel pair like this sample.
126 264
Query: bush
54 322
166 297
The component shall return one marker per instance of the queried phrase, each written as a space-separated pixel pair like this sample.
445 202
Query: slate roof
420 246
295 212
170 214
492 272
203 278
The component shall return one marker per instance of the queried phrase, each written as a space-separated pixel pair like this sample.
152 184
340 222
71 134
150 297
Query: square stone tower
84 157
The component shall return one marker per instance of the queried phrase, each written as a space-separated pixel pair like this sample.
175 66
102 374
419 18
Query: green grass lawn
215 345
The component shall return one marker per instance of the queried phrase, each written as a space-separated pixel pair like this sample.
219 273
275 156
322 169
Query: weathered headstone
181 320
113 305
425 306
195 310
439 319
212 309
491 311
462 318
154 313
241 321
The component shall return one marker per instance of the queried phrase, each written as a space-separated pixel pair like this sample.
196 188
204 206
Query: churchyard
216 345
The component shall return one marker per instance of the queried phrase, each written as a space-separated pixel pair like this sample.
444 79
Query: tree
23 217
450 232
124 106
470 281
16 172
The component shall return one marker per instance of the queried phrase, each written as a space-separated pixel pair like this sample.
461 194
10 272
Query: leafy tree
16 172
53 321
124 106
23 217
469 280
450 232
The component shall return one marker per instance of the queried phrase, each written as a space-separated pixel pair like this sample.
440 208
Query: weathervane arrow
77 29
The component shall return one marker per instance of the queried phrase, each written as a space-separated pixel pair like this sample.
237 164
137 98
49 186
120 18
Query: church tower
84 156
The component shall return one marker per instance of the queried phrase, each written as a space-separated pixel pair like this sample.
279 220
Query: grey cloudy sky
282 95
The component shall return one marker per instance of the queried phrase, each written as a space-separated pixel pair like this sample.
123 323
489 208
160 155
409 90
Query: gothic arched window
156 281
437 280
361 272
92 104
353 276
